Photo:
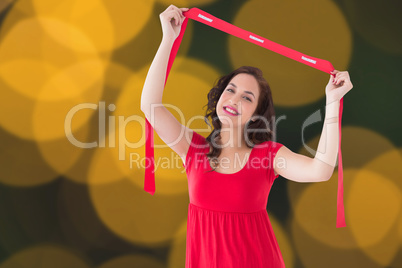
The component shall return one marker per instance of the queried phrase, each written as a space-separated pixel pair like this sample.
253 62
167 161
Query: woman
228 225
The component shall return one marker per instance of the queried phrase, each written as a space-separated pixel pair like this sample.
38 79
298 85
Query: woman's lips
232 108
229 112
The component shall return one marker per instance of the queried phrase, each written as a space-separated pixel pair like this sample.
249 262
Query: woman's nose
235 102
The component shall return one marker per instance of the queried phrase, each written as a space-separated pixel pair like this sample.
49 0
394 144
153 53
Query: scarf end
340 225
149 184
149 191
340 220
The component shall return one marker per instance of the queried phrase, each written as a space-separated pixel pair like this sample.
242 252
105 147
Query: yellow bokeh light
132 261
105 169
292 83
400 216
128 130
177 253
283 241
189 80
35 74
44 256
135 215
60 154
318 218
315 212
371 196
373 207
52 119
141 50
97 165
21 109
314 253
354 141
104 22
68 35
57 80
388 163
51 70
116 76
22 163
400 228
73 81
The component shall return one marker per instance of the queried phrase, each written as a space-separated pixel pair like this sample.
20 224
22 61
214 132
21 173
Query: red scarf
203 17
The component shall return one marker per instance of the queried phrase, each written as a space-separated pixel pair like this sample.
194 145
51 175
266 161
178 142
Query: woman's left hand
338 86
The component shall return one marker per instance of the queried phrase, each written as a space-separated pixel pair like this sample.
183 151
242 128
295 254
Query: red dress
227 223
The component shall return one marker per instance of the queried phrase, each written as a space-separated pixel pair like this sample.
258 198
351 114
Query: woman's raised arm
172 132
171 20
301 168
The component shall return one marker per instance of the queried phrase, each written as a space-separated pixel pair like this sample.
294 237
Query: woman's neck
232 139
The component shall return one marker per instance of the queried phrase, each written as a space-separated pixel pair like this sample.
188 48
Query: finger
335 71
177 19
336 79
172 15
176 9
344 73
180 21
183 10
172 7
180 15
332 79
342 80
340 76
169 15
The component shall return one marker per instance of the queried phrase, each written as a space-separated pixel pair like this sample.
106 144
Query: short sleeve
273 149
197 143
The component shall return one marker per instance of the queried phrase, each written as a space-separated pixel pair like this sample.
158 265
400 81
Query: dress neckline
244 167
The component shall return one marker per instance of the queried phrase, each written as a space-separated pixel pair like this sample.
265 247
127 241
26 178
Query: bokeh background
66 206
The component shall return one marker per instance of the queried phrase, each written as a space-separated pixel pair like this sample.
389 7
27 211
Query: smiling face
242 94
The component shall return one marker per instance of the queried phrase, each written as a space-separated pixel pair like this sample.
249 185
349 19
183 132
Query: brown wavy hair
265 109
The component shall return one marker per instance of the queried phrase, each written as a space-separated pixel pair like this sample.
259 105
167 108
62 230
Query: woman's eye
247 98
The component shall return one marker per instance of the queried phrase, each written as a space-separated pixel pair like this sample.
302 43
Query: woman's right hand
171 20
